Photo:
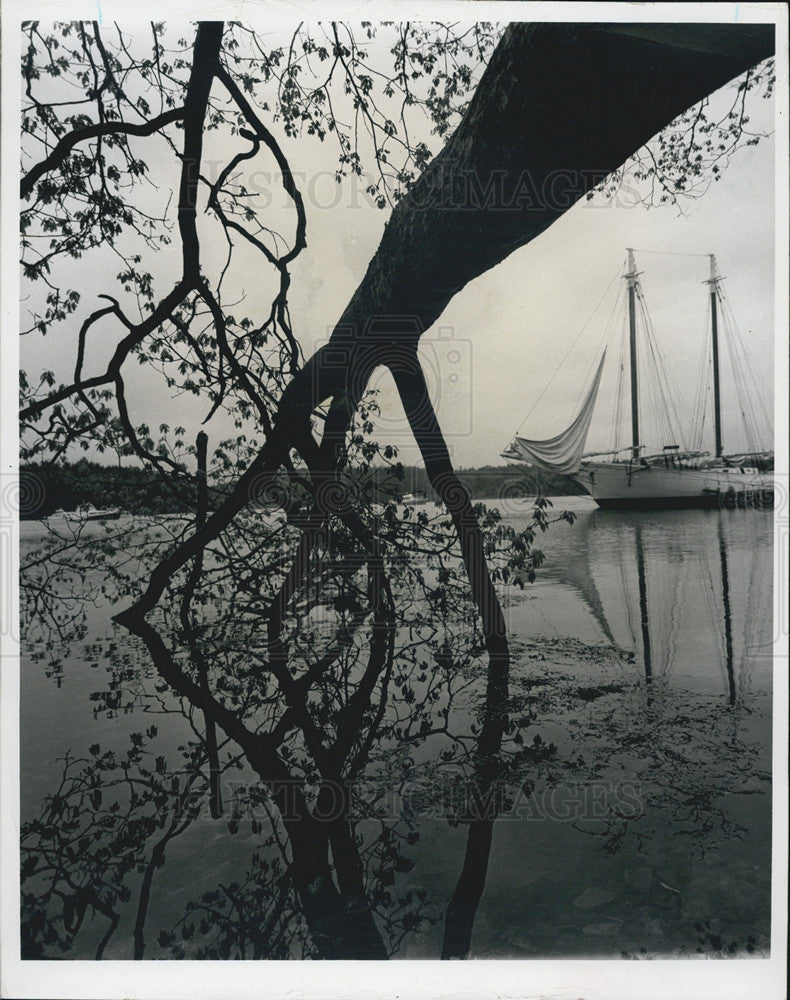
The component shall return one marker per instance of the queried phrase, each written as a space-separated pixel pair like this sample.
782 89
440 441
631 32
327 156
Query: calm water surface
641 657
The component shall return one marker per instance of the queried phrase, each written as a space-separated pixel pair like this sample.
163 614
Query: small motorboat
87 512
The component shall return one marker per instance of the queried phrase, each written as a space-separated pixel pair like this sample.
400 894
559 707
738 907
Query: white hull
623 485
80 516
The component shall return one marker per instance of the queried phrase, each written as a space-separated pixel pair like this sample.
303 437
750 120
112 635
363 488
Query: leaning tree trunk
559 107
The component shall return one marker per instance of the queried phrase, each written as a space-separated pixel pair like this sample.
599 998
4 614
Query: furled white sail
562 453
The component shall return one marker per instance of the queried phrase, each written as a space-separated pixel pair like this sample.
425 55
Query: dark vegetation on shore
68 485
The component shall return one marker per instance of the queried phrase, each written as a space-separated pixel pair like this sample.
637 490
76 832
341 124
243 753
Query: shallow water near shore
642 653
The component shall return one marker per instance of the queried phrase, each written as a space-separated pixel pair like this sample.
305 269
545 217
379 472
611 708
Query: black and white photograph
395 511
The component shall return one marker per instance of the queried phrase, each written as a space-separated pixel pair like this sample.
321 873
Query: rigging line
702 390
676 408
603 340
653 412
649 412
672 253
744 369
568 352
737 364
587 379
666 384
622 426
659 387
615 435
618 416
701 409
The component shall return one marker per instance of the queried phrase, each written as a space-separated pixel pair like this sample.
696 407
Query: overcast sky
502 338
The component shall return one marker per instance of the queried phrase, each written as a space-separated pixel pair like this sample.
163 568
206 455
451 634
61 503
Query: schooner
675 475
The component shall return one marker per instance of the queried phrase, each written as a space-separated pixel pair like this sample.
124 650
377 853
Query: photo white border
730 979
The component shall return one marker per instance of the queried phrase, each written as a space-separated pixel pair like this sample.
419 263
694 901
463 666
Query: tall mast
631 276
714 295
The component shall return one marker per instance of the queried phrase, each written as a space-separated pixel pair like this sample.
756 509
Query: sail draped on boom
562 453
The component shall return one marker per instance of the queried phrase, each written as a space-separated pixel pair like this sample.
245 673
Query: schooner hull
623 486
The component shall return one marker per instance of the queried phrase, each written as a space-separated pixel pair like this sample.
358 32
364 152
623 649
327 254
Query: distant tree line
45 488
497 481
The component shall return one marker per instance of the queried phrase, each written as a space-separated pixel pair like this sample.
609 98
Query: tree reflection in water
348 672
311 651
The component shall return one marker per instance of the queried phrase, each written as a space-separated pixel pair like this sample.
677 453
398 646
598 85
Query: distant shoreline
44 489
